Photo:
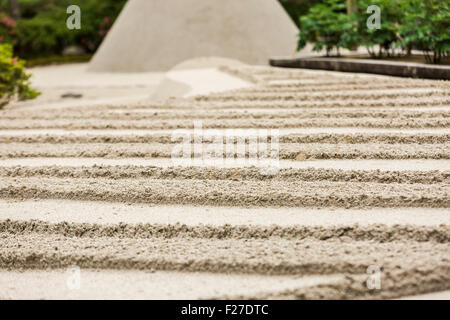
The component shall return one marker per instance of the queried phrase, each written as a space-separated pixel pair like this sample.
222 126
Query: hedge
405 25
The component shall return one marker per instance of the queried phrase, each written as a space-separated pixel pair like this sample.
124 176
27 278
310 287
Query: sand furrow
432 295
237 174
368 82
109 136
397 283
223 124
274 256
438 87
378 233
382 166
107 213
328 95
307 77
187 104
136 284
332 89
334 135
303 86
326 77
213 114
389 102
174 110
291 151
245 193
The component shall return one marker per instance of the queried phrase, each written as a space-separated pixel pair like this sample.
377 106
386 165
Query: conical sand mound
155 35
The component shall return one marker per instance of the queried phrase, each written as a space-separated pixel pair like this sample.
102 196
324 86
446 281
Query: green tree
427 27
386 38
329 27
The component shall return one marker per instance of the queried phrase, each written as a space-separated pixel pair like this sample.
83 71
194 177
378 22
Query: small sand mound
208 62
199 76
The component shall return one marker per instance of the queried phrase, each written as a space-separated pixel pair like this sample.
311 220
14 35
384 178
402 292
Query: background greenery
298 8
41 34
38 31
41 30
405 25
14 81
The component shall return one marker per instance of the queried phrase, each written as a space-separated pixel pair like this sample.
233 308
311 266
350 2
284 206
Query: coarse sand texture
155 35
363 184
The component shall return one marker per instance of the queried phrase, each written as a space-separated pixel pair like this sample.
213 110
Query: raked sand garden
363 182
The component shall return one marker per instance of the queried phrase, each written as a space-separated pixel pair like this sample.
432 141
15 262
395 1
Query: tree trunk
14 9
352 6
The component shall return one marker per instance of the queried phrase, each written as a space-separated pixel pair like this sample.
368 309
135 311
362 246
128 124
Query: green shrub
298 8
386 38
405 24
42 31
329 27
13 78
55 60
41 36
426 27
7 29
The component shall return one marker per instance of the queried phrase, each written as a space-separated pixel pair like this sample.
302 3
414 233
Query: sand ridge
379 233
246 193
289 151
352 136
236 174
137 114
274 256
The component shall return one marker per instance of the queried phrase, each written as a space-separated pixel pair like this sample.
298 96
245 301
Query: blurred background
37 28
38 33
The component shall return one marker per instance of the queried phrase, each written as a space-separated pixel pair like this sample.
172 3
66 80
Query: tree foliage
405 25
13 78
42 29
328 26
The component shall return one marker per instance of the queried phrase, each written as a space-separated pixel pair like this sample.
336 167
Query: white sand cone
155 35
